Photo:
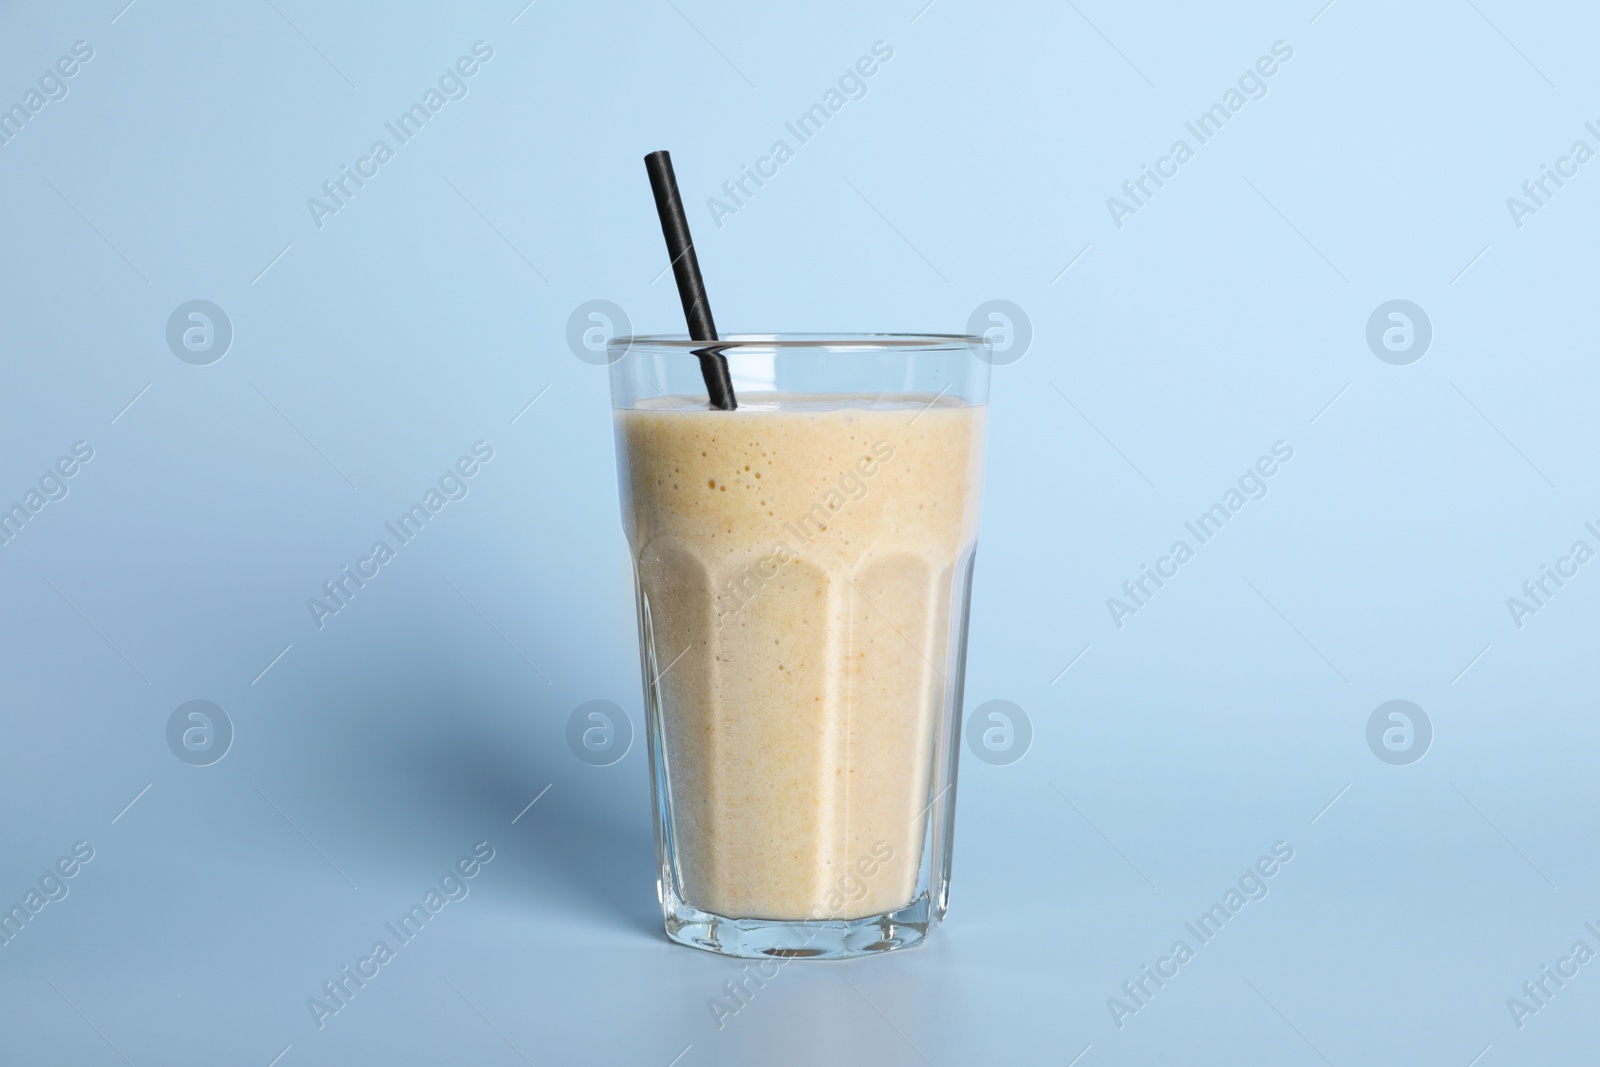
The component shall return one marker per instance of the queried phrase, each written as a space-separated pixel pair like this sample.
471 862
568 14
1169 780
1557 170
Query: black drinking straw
686 271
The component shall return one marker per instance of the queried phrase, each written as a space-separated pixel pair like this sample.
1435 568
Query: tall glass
803 567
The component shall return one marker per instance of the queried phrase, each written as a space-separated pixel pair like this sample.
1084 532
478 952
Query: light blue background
425 315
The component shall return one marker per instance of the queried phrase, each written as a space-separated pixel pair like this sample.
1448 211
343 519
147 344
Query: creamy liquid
796 561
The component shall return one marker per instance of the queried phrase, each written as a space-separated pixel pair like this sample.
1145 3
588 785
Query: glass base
822 939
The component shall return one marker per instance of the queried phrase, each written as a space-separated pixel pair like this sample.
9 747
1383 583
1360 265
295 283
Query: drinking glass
803 567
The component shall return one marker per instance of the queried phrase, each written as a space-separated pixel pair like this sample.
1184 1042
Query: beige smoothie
797 559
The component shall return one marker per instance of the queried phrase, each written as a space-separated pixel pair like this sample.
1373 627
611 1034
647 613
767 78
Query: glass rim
732 343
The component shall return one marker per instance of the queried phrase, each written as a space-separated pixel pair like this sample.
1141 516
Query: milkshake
796 565
800 564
